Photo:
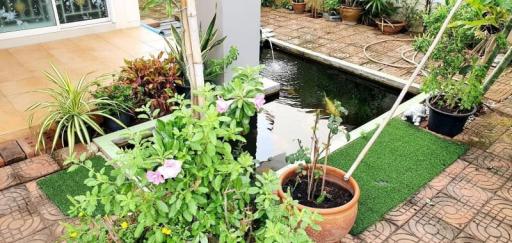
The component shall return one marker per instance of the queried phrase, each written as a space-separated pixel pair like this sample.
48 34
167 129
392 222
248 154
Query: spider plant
70 111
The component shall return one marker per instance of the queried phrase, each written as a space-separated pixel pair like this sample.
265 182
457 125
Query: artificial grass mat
402 161
63 183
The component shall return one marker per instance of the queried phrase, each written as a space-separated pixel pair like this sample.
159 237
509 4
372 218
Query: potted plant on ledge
321 188
330 7
351 11
299 6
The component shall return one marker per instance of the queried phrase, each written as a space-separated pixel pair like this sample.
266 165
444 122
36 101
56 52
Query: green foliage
242 89
331 5
152 80
170 6
213 196
208 41
410 13
379 8
70 111
455 74
120 94
491 13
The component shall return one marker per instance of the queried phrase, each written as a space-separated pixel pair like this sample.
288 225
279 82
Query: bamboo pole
489 81
405 89
193 58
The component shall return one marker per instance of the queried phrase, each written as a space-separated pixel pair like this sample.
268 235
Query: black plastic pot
124 117
445 123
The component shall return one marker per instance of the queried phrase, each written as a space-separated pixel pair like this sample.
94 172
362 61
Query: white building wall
239 20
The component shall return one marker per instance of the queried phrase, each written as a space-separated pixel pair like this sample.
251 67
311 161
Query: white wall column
239 20
125 13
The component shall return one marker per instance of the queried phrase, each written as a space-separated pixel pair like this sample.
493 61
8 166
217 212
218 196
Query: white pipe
436 41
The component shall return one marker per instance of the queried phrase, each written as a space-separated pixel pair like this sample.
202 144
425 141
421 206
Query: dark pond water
304 84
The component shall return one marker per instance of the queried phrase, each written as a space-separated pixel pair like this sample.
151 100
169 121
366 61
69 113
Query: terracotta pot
299 8
337 221
350 14
391 28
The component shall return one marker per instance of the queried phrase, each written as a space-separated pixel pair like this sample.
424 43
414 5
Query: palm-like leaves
70 110
208 40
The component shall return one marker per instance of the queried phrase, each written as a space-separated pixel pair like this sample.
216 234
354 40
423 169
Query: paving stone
11 152
450 210
378 232
28 145
402 213
506 190
499 92
37 197
36 167
466 238
484 131
500 209
42 236
505 107
503 146
430 228
18 225
467 192
440 181
2 162
424 196
14 199
50 213
489 229
488 161
350 239
482 178
402 236
7 177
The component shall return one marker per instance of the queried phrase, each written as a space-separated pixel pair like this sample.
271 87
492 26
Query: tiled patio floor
22 67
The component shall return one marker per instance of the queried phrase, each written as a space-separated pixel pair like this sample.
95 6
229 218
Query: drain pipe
418 69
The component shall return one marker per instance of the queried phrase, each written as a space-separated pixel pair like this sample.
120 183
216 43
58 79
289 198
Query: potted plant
412 16
459 66
151 80
71 113
330 7
381 12
351 11
319 187
123 112
299 6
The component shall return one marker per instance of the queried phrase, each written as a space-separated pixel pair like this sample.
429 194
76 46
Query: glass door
73 11
16 15
24 15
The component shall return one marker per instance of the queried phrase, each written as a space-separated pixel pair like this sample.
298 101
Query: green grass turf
403 160
63 183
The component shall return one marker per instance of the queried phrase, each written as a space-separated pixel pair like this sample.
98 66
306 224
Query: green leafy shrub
152 80
120 94
185 185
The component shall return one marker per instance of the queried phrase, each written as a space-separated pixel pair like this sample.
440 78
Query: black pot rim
450 114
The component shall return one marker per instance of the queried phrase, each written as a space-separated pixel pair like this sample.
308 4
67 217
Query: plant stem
325 161
314 157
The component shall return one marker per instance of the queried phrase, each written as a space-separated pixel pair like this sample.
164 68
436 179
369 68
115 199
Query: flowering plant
185 185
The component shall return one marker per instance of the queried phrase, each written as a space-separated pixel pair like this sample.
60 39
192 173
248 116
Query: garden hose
402 55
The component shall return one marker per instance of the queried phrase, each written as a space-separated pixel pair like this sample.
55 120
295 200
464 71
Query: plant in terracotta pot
351 11
319 187
382 12
460 64
299 6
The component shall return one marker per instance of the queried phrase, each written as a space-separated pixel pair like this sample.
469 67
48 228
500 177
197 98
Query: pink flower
222 105
155 177
259 101
170 169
